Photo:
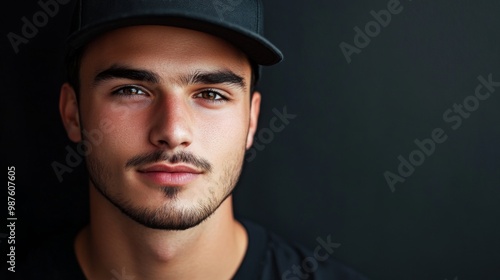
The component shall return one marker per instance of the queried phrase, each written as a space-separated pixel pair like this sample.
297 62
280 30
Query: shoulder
281 259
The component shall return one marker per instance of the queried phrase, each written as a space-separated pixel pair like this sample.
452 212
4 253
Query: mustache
178 157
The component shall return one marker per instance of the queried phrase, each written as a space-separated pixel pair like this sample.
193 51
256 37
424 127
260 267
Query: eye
129 91
211 96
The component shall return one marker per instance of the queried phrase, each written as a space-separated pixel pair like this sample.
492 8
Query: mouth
169 175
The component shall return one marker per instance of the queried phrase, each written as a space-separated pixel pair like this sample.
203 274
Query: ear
254 118
68 108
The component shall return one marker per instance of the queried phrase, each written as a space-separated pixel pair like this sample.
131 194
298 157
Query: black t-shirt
268 257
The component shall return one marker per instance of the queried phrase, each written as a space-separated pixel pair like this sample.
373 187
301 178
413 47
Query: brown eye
211 95
129 91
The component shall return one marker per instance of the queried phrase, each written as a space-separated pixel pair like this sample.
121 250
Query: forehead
163 49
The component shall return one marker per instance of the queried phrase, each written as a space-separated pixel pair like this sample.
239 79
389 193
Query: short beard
167 216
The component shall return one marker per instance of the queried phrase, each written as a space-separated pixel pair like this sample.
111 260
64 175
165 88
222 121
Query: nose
171 123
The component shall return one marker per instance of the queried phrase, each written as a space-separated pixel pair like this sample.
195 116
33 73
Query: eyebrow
215 77
197 77
122 72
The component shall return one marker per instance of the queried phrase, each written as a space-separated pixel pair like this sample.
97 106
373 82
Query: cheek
117 129
222 135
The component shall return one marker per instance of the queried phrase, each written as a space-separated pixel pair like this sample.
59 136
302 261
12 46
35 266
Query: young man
167 86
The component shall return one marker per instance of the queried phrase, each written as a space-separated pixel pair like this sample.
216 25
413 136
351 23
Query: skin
169 115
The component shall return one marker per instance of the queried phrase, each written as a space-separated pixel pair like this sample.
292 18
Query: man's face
179 115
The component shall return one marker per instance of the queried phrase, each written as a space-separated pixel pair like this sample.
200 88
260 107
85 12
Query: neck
113 245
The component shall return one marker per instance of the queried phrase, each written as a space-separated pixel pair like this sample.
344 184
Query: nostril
162 142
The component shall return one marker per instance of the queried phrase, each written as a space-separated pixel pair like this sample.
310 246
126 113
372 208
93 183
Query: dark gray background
323 174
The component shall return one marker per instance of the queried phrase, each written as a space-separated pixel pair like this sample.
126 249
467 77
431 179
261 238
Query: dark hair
73 64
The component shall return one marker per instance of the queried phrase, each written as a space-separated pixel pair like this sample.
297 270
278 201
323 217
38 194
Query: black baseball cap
240 22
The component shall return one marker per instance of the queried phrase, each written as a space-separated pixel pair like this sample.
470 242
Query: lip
170 169
169 175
